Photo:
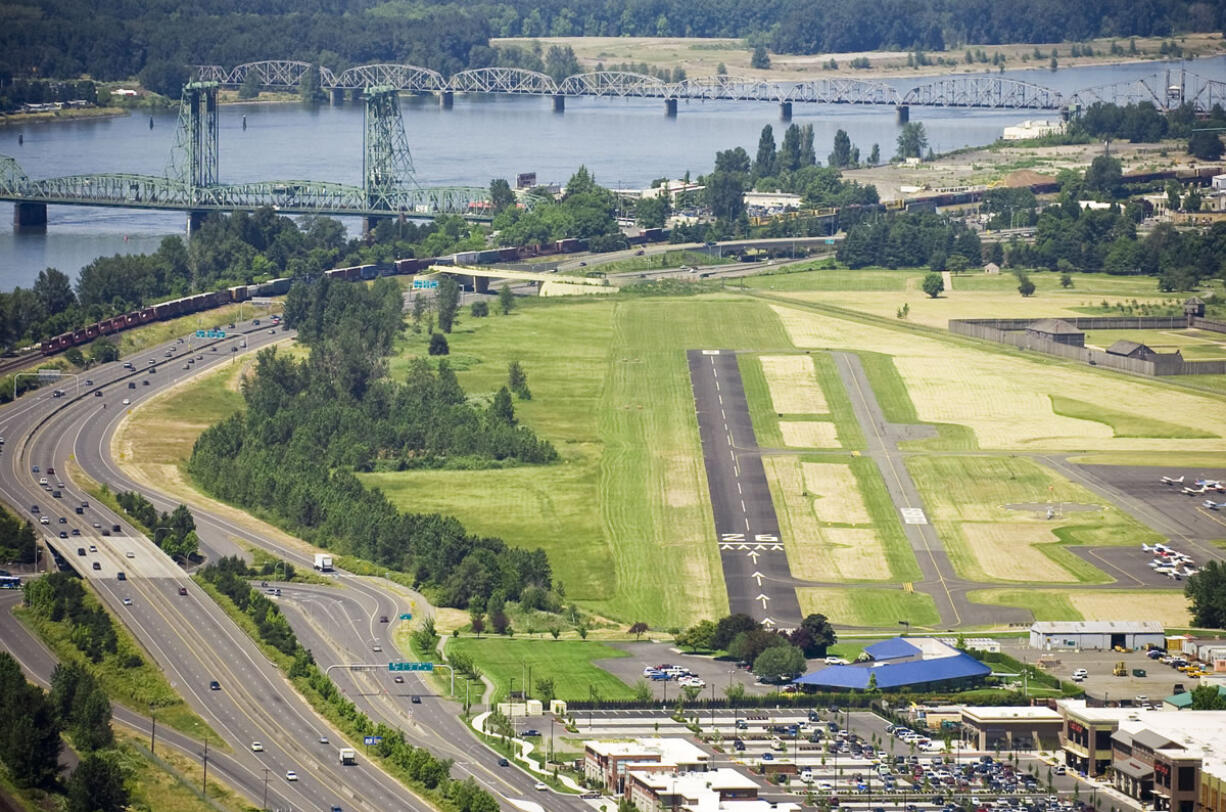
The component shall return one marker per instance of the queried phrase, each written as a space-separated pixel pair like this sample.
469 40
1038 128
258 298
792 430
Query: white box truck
323 563
348 756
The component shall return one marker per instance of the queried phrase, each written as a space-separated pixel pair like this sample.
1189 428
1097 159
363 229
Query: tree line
17 539
774 656
173 532
308 426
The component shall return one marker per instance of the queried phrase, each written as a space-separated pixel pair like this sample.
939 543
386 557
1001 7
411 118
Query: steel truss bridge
990 92
191 183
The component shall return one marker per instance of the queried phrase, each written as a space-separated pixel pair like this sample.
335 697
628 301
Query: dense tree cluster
229 575
26 91
30 736
1207 592
908 240
174 532
774 656
59 597
585 211
309 425
158 39
17 539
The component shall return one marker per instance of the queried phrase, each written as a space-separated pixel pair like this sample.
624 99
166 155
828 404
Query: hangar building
1096 634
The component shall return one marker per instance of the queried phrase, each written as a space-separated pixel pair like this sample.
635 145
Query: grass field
834 280
655 262
965 497
626 516
837 521
1169 607
891 392
758 397
1004 397
1124 424
567 662
869 606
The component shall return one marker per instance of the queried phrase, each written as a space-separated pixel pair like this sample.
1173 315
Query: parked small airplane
1168 480
1195 491
1209 503
1212 484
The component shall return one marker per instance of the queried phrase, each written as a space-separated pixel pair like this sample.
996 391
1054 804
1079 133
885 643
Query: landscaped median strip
519 750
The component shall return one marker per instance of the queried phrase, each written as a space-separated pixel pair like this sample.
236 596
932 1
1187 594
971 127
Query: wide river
624 142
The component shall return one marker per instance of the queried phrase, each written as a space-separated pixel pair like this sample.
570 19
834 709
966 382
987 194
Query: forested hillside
48 38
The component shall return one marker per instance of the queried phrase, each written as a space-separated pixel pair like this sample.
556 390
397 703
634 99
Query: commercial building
1172 761
608 763
1033 128
918 663
723 790
1096 634
1036 727
1086 734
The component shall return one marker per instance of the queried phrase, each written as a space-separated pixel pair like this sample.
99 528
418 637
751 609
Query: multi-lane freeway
188 635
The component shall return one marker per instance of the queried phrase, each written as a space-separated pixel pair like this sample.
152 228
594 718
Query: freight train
277 287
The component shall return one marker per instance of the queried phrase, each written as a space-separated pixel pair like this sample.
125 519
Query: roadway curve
437 726
189 637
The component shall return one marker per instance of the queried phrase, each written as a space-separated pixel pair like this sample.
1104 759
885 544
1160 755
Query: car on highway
119 576
186 366
74 532
290 775
97 393
34 508
416 700
127 365
131 385
1080 674
383 619
43 520
214 685
63 534
34 468
127 402
256 747
502 762
130 554
80 551
376 647
63 520
398 679
540 786
182 590
127 601
167 354
97 525
93 548
97 566
42 480
323 739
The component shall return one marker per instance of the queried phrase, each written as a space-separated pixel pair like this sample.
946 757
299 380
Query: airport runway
756 571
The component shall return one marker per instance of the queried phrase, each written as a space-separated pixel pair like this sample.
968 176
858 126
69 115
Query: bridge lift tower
388 178
193 160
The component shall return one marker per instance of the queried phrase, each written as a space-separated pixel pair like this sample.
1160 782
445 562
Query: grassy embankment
1168 607
137 687
625 516
569 663
872 608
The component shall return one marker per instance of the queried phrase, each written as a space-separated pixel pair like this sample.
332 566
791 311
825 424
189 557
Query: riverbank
67 114
701 57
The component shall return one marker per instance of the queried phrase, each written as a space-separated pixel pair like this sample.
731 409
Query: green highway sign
410 666
406 616
210 334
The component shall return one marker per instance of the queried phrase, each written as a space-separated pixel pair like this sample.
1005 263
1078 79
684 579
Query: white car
130 554
1080 674
290 775
127 601
127 402
256 747
541 786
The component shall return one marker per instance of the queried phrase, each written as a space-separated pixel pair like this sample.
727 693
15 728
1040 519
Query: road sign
210 334
369 740
406 616
423 284
49 373
410 666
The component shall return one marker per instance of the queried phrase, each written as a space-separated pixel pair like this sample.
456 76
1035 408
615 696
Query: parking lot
1159 680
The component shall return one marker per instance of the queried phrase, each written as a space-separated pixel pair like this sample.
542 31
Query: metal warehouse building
1096 634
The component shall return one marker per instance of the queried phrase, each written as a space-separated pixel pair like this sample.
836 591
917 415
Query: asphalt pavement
755 564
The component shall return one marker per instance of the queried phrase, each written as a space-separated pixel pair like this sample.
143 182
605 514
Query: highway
81 429
190 638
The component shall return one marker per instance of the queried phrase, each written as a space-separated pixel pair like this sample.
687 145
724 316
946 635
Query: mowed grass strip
832 279
1169 607
1124 424
757 395
888 387
898 552
869 607
567 662
838 401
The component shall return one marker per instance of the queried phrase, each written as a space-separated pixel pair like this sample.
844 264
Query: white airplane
1212 484
1209 503
1195 491
1157 549
1175 576
1165 569
1168 480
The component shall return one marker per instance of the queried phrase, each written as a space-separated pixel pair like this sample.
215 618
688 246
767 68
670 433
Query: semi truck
349 756
323 563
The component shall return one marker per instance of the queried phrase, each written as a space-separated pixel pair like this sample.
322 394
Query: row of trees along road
310 425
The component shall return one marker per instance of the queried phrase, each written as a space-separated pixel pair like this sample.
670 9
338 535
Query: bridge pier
670 108
559 104
904 113
195 221
446 99
370 222
785 111
481 284
30 216
336 96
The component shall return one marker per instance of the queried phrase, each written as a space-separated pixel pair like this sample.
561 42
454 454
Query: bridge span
993 92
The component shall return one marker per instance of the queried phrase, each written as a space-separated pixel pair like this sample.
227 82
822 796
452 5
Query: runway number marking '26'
738 537
762 542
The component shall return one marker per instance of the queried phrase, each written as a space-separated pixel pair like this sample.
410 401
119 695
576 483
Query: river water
624 142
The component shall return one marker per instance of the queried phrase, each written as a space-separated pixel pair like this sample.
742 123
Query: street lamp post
264 805
153 730
205 783
907 624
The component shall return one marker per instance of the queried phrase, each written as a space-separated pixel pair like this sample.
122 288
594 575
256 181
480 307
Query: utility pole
264 805
153 731
205 783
